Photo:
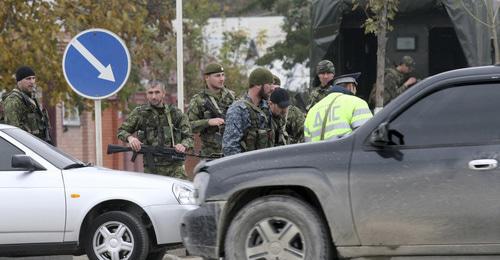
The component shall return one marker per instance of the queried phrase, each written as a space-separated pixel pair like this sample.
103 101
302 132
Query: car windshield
52 154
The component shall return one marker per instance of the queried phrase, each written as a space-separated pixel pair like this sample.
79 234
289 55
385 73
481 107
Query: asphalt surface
178 254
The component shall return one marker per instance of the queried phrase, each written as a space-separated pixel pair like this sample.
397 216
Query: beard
155 103
263 94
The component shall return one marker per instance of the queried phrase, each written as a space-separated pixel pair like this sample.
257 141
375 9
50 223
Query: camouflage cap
260 76
213 68
408 61
325 66
276 80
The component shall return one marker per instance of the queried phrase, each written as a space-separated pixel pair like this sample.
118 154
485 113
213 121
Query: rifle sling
169 119
214 103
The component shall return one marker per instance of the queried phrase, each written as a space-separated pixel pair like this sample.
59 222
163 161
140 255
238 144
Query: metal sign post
98 132
180 57
96 65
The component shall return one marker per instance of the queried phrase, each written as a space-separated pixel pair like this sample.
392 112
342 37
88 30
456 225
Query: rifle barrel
112 148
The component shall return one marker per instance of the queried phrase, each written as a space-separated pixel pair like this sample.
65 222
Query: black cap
24 72
347 78
280 97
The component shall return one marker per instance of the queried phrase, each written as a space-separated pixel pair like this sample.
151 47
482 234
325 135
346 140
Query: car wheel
117 235
277 227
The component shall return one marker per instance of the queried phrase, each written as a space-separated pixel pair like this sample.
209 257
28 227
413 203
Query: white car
52 203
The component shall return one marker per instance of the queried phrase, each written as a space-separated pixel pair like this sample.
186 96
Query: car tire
277 227
117 235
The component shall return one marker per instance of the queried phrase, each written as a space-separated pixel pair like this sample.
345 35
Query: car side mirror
22 161
380 136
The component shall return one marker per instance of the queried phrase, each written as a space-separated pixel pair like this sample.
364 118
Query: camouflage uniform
248 127
201 109
279 129
317 94
24 112
294 121
393 84
153 128
394 79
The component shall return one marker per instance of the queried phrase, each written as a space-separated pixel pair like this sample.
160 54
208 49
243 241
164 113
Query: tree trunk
495 45
492 10
381 46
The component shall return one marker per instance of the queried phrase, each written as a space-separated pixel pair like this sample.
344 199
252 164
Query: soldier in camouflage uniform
295 125
207 110
325 72
21 109
396 80
158 124
248 122
279 102
293 120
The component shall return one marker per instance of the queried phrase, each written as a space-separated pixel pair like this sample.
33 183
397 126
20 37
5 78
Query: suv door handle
483 164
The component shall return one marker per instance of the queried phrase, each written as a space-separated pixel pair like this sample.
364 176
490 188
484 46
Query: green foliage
374 10
196 14
28 36
144 25
234 47
379 14
35 33
295 48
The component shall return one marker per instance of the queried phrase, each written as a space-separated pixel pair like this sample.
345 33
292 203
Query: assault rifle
216 114
149 152
46 125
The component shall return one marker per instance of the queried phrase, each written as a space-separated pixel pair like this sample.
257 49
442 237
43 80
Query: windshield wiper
76 165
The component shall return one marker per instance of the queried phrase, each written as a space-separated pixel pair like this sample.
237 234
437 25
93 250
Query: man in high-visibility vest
338 114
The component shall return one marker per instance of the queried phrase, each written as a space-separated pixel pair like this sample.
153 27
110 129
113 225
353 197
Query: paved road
178 254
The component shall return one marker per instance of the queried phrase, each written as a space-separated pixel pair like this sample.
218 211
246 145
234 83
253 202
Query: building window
406 44
70 115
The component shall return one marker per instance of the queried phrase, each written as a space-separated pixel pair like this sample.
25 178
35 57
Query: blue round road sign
96 63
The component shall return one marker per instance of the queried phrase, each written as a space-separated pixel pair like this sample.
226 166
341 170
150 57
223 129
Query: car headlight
183 193
200 186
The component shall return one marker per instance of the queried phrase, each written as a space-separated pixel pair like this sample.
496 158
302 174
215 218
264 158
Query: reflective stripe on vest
347 113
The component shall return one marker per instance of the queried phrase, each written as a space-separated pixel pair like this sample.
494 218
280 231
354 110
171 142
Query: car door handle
483 164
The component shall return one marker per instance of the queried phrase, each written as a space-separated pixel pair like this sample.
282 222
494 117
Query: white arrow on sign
106 72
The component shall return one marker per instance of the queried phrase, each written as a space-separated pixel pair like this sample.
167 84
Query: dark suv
419 179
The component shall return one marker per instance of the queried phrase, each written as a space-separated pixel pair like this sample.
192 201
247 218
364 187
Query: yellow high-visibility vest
346 113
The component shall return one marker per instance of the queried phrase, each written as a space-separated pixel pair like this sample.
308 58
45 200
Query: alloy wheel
113 241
